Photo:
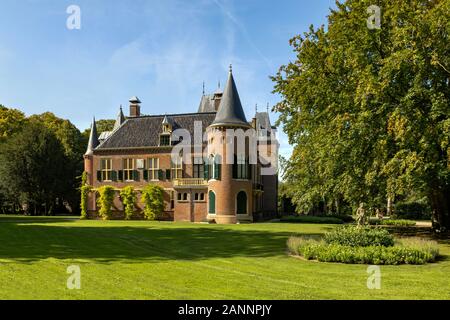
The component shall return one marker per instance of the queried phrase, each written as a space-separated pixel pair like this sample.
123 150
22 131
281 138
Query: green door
212 202
242 203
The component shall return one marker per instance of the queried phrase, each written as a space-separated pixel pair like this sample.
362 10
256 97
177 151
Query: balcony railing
190 182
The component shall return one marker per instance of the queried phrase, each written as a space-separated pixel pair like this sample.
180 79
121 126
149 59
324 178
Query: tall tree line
367 110
41 160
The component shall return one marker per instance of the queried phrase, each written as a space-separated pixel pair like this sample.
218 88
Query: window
199 196
182 196
177 168
241 168
199 168
106 169
166 128
172 199
128 169
241 203
164 140
153 169
215 165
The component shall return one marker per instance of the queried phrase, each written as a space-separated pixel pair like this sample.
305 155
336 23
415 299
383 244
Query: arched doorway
212 202
241 203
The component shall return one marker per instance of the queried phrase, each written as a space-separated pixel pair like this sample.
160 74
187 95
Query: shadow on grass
26 242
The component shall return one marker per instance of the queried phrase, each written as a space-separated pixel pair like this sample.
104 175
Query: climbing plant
153 200
129 197
105 201
84 190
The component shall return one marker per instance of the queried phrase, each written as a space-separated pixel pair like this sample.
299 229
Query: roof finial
231 68
219 84
268 107
256 108
203 87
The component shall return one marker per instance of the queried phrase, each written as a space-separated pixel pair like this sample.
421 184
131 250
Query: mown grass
162 260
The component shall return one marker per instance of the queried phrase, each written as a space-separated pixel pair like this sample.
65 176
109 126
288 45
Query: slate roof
207 104
93 139
230 109
141 132
262 118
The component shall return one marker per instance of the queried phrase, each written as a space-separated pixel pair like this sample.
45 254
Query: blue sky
160 51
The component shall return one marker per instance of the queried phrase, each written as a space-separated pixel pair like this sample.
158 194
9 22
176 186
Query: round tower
230 183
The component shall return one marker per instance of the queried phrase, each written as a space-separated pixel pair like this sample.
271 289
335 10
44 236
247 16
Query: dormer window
164 140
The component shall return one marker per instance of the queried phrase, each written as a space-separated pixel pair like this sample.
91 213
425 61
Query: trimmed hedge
392 222
355 236
419 252
311 219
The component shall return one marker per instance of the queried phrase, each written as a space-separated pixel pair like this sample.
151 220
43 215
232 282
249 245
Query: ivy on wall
129 197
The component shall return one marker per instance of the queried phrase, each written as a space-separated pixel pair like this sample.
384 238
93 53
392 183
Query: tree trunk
440 205
389 206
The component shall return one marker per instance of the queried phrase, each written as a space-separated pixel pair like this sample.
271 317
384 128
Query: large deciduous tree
33 168
367 109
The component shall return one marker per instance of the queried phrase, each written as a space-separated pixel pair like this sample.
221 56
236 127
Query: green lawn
160 260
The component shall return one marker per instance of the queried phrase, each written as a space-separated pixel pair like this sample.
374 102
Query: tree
32 168
153 200
11 121
367 110
74 146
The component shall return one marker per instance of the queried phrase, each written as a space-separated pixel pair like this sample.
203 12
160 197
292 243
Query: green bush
355 236
153 200
105 201
128 196
418 252
415 210
311 219
392 222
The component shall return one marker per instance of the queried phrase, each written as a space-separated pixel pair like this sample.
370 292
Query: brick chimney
135 107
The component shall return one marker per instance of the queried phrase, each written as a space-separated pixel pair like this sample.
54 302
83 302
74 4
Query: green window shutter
168 174
235 166
250 171
206 171
212 202
160 174
114 175
120 175
218 171
145 173
99 176
135 175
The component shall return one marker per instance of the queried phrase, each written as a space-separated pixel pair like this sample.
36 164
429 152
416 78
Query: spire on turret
93 140
120 119
230 111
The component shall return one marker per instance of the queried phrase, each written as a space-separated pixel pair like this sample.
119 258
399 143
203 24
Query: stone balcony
190 182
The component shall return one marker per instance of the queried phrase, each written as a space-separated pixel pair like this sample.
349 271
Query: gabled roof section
93 139
230 111
207 104
142 132
119 120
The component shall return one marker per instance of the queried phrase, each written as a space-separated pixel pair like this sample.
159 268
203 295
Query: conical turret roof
93 140
230 112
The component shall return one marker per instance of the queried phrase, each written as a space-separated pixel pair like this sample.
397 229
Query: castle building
217 182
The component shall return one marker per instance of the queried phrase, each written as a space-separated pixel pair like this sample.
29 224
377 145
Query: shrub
153 200
128 196
412 210
355 236
311 219
344 217
393 222
105 201
404 253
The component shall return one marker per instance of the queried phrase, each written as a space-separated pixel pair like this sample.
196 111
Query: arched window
215 167
212 202
241 203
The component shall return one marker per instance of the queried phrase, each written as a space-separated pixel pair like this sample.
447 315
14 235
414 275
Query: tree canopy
367 110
